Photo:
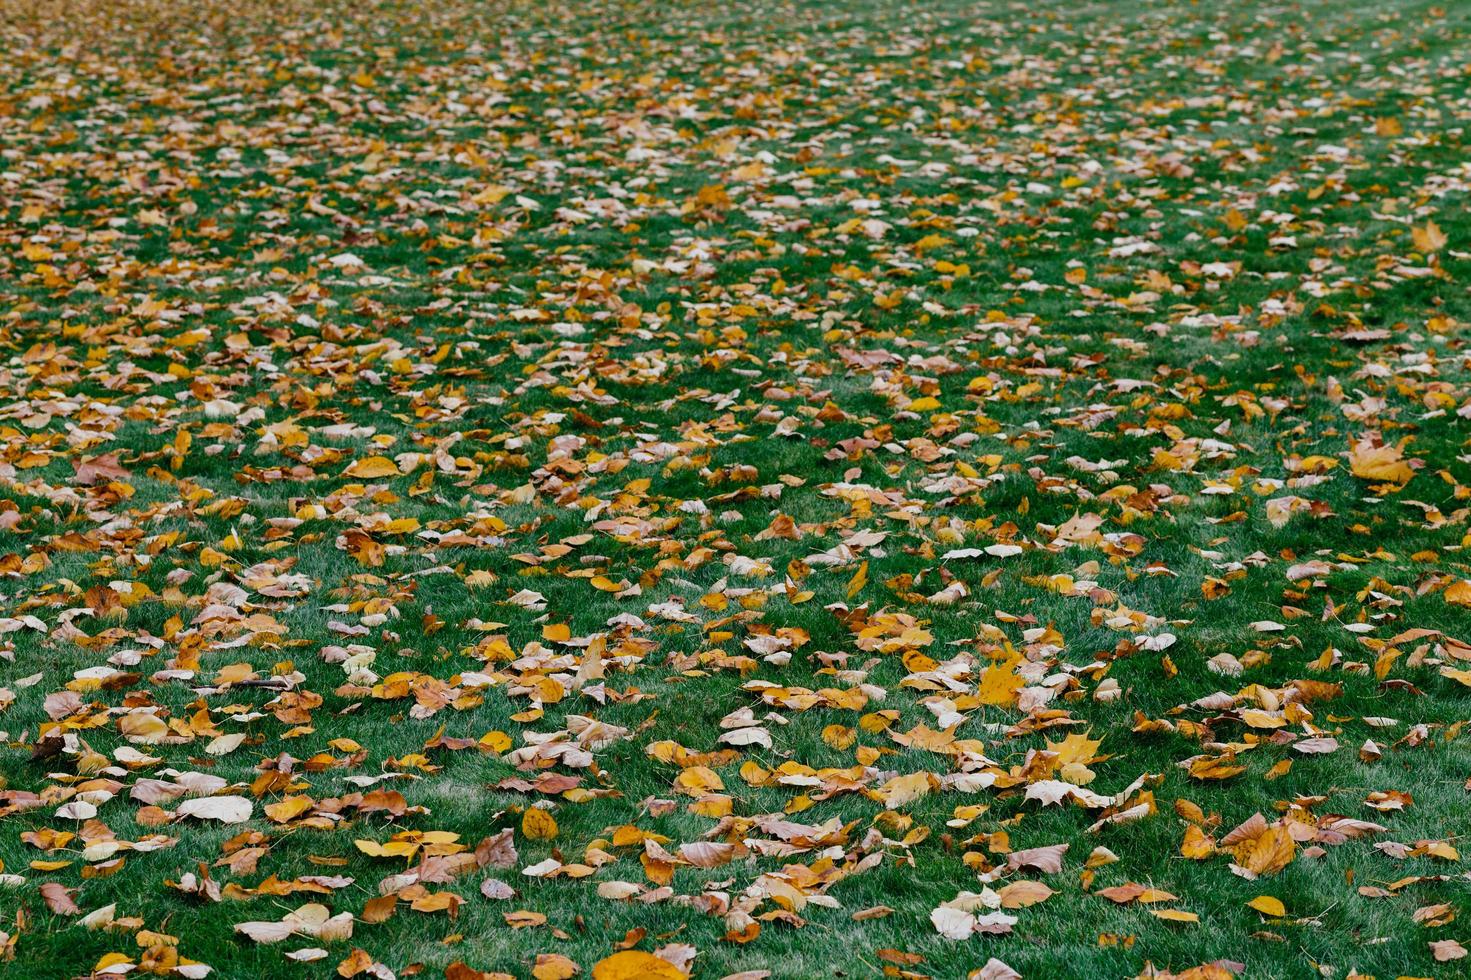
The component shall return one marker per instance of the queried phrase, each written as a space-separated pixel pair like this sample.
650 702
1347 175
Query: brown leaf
1046 859
99 469
58 898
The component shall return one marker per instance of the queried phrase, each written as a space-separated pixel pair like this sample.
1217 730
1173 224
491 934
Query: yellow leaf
1196 846
1151 895
523 919
839 736
1216 767
1077 747
1429 238
371 468
698 780
633 964
1267 905
143 727
1268 853
537 824
553 966
1020 894
496 741
999 686
289 808
1462 676
1279 769
902 790
1458 593
1386 464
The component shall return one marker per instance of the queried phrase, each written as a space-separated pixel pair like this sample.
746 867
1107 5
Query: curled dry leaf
223 809
58 899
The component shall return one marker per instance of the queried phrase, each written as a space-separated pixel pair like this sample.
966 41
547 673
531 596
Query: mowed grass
407 387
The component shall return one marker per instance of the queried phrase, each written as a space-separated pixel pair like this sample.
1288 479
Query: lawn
847 489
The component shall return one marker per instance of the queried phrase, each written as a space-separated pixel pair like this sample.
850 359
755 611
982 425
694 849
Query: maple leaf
99 469
1371 460
999 686
903 790
1268 852
1428 237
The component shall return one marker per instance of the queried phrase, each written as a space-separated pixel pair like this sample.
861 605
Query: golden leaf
633 964
1267 905
538 824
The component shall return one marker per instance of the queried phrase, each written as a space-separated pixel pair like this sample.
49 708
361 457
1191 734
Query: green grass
1153 262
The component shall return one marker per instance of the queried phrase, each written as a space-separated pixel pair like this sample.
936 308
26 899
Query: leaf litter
541 490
